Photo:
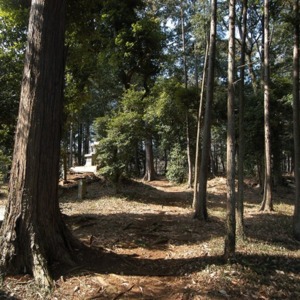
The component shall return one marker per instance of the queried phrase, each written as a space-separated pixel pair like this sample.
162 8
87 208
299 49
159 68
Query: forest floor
144 244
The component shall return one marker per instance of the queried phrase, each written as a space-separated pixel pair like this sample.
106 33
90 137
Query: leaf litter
144 244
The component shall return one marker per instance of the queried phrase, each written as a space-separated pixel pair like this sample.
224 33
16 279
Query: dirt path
144 244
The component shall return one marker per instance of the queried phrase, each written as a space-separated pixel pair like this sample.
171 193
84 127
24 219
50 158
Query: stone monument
89 166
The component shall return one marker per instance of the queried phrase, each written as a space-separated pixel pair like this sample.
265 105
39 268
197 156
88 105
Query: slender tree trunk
65 168
71 147
188 150
149 168
137 160
200 203
188 142
33 234
296 128
229 251
198 139
87 135
241 150
80 134
267 204
252 73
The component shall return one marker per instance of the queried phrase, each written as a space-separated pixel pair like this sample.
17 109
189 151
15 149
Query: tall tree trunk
188 142
79 152
241 150
252 73
188 151
198 139
87 136
229 251
200 203
33 234
296 128
149 168
71 146
267 204
137 169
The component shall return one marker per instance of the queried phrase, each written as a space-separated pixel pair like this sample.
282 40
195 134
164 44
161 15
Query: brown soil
144 244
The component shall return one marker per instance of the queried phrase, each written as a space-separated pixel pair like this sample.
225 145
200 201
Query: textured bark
241 150
200 203
296 129
267 204
229 251
33 232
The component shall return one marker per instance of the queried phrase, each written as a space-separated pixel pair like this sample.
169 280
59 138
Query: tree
267 197
199 203
296 129
230 214
33 233
241 148
198 138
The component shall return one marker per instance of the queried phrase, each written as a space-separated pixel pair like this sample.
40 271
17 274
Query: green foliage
13 26
4 165
111 162
119 135
177 165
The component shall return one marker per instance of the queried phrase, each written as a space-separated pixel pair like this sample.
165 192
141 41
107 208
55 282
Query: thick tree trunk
296 129
200 203
229 251
33 232
241 150
267 197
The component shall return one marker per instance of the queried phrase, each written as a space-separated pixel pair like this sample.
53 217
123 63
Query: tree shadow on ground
254 273
272 228
147 230
100 261
136 191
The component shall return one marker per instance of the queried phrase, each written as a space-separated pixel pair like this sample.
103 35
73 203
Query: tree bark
229 251
296 129
241 150
149 167
198 139
188 142
267 204
79 151
200 203
33 232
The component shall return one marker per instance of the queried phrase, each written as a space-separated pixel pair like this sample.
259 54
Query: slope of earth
144 244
